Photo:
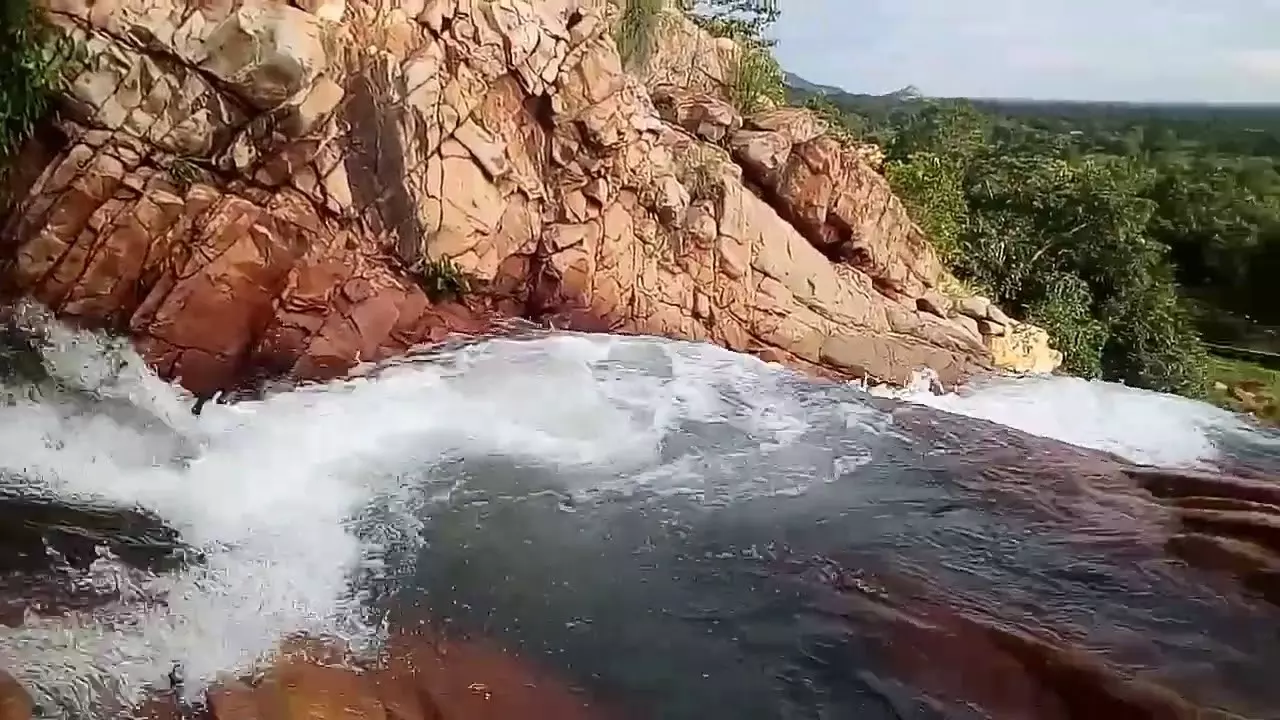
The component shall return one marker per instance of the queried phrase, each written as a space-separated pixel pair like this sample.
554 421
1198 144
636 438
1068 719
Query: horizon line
1260 104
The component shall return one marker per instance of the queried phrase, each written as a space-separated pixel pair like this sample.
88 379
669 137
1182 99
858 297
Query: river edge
1211 507
1223 524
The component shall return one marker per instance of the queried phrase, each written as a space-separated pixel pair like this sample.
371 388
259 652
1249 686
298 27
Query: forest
1133 233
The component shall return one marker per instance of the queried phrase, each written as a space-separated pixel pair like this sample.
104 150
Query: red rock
15 704
475 680
419 678
280 211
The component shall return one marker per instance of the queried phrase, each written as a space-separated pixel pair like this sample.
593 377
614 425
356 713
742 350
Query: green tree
1062 304
955 131
1098 221
30 61
1220 217
1056 235
932 189
1153 343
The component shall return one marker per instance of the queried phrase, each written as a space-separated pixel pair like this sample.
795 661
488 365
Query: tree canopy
1124 230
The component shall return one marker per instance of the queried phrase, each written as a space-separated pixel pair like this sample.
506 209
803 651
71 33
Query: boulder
968 324
1025 348
842 205
991 328
36 529
935 303
975 306
706 116
996 315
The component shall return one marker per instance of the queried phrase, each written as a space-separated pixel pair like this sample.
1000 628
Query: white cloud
1262 62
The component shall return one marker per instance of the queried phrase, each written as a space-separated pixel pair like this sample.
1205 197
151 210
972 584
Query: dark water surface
879 591
677 531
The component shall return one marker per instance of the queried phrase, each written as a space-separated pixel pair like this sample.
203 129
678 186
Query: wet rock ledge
426 678
251 188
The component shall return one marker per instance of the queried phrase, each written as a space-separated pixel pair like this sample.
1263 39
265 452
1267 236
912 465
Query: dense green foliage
1106 223
30 63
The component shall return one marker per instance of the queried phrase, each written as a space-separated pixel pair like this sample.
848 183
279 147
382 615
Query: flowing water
687 532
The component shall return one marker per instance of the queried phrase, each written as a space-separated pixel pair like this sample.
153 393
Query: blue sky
1138 50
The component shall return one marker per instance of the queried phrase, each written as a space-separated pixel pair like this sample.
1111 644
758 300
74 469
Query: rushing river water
683 531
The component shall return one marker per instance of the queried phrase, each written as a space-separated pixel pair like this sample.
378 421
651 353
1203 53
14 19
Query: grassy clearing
1244 386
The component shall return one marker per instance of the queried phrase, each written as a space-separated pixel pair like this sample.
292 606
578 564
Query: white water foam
278 485
1139 425
273 492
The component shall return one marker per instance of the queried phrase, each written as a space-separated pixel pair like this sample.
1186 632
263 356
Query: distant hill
1132 113
801 87
795 82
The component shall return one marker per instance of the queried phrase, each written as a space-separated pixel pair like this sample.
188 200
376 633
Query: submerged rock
32 526
420 678
48 547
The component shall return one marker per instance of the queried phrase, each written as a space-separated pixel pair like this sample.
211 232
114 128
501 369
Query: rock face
681 54
255 188
837 201
1023 348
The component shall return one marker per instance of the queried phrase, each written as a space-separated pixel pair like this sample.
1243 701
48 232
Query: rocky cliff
250 188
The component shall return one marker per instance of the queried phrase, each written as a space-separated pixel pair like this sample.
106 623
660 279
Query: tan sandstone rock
974 306
251 188
991 328
706 116
838 202
682 55
1024 348
935 303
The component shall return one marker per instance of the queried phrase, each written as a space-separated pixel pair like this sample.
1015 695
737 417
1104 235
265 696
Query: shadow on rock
48 545
1224 524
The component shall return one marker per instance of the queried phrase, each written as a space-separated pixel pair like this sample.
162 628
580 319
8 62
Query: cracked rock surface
252 188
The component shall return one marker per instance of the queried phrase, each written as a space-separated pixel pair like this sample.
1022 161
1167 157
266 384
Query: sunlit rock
1023 348
252 190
